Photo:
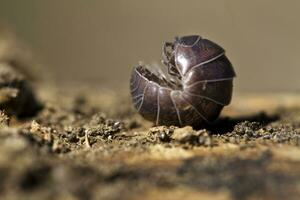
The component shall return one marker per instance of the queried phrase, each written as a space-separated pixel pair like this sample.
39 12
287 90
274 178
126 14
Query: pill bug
196 87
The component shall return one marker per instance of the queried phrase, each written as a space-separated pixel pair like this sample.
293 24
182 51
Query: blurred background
98 42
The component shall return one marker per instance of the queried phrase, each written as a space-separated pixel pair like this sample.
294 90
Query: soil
79 142
90 143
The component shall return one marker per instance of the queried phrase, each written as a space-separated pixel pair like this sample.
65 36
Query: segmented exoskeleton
198 84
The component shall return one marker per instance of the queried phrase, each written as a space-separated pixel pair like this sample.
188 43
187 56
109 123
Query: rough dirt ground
90 143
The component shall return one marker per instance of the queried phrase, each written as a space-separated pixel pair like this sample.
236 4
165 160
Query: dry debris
74 148
16 96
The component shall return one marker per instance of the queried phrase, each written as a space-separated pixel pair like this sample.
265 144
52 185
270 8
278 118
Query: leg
171 69
166 52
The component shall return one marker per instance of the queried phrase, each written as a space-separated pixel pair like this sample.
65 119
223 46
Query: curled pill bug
196 87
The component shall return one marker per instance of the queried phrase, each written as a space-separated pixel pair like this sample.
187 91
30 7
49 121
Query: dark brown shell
204 84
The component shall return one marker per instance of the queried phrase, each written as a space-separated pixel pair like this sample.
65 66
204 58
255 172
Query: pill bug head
189 40
187 51
197 85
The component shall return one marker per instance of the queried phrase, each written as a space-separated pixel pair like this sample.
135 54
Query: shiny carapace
197 85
